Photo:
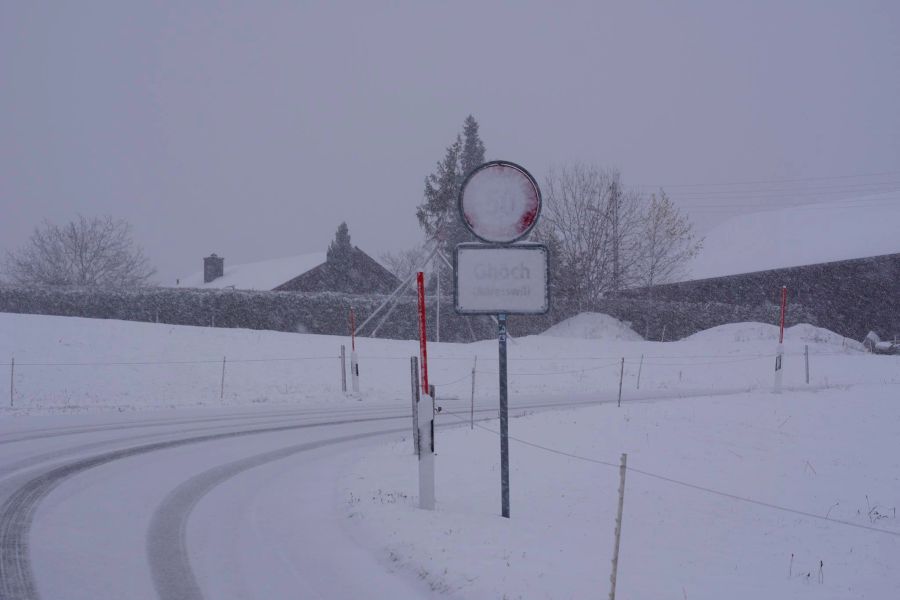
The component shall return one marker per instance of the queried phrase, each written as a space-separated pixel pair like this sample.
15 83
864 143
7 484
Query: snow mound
593 326
753 332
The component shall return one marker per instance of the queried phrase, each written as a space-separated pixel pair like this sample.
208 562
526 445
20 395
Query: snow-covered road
193 504
227 505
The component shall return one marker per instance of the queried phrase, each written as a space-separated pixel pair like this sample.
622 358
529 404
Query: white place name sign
501 279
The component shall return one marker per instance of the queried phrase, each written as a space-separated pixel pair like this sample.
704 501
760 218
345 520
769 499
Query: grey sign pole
504 420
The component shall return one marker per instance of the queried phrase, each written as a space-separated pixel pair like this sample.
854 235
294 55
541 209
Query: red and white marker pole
354 360
779 354
425 413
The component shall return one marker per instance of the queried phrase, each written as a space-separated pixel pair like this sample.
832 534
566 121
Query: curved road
217 504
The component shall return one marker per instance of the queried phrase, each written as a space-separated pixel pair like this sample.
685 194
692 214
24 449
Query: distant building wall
850 297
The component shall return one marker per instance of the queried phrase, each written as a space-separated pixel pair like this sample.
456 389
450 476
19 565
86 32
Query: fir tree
439 215
340 251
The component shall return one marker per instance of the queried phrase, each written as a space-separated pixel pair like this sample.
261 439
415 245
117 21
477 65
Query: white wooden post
426 452
222 387
615 559
806 352
621 376
343 369
640 368
354 371
472 406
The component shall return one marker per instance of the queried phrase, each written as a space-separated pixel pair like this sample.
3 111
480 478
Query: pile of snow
264 275
800 235
753 332
593 326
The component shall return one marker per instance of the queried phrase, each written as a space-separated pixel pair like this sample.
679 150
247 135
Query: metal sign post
504 420
500 203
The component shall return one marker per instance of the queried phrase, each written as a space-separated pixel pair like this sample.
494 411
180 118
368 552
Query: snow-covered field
732 491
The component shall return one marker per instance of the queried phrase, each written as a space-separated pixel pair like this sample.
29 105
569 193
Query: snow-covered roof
263 275
801 235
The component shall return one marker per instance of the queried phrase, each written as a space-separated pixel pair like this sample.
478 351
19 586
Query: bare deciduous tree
604 238
667 242
87 252
591 226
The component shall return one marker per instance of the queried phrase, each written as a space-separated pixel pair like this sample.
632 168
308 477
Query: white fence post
806 352
621 375
472 406
354 371
343 369
12 374
222 387
640 368
615 559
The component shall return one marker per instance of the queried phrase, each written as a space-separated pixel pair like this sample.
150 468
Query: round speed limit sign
500 202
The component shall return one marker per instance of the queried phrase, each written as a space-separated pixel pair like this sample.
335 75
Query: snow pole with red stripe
425 412
779 353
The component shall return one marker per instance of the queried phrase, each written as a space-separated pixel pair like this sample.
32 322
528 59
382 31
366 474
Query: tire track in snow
17 580
167 551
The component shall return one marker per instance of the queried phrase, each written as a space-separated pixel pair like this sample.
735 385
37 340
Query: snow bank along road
218 504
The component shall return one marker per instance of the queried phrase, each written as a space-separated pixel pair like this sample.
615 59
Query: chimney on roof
213 267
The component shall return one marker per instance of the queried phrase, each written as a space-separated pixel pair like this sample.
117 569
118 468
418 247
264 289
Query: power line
768 181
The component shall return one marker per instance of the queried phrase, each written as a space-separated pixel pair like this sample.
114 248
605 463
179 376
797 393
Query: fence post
615 559
222 387
472 406
664 332
806 352
343 369
414 383
640 368
12 374
621 375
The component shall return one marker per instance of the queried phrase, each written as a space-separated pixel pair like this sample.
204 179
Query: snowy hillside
801 235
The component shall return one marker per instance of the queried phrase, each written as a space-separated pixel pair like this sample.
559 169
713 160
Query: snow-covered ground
733 491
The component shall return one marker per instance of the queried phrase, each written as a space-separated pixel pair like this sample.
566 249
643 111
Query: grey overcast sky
252 129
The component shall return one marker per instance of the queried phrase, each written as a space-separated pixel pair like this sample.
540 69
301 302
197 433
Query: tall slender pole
222 386
640 368
12 374
779 352
621 376
438 323
504 420
343 368
806 352
423 347
354 359
615 559
472 405
425 416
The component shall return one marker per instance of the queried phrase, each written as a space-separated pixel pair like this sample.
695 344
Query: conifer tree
438 215
340 251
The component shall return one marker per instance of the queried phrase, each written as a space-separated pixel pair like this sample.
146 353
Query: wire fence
166 381
687 484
